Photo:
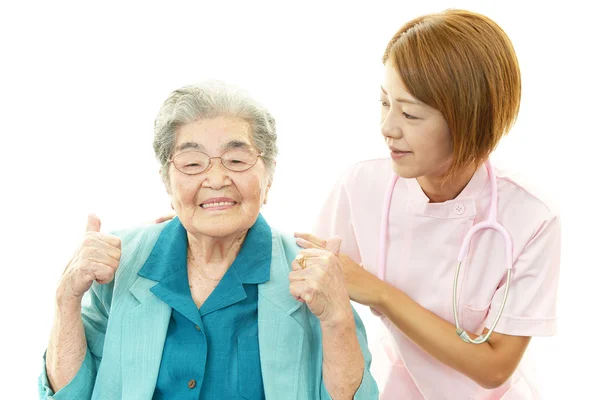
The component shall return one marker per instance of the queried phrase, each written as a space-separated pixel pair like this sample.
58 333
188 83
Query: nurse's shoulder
526 195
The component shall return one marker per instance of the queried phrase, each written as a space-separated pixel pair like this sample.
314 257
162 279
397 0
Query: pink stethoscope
490 223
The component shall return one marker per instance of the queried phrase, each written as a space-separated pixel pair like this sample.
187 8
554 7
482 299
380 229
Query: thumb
93 223
333 245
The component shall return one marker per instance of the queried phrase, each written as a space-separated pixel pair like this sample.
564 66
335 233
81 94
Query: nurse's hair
207 100
464 65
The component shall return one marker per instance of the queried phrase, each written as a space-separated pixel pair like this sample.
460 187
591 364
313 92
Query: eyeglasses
196 162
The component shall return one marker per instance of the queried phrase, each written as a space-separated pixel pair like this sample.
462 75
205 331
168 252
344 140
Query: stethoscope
490 223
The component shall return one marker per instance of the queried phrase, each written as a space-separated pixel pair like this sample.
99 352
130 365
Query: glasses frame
210 162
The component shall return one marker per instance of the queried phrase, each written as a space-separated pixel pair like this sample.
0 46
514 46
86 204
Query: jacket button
192 383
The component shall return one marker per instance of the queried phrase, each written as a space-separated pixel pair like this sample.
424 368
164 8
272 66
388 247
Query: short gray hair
207 100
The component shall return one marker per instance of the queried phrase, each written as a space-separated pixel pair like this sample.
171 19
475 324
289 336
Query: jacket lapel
280 336
144 332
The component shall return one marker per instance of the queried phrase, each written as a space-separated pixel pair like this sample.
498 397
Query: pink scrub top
424 240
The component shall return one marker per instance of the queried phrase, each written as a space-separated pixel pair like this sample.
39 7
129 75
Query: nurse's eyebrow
402 100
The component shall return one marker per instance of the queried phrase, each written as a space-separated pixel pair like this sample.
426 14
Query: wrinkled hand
320 285
362 286
96 259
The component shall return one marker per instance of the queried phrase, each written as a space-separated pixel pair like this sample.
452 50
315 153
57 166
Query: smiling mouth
218 204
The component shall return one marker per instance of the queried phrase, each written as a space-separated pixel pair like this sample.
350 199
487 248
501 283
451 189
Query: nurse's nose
216 175
390 125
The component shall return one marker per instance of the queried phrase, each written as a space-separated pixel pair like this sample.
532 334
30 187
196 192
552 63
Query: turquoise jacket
126 325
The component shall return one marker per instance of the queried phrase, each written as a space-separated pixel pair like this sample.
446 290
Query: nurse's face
417 134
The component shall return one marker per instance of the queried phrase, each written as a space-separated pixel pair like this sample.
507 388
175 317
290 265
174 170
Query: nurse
451 90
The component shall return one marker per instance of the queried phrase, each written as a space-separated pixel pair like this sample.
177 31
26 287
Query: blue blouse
211 353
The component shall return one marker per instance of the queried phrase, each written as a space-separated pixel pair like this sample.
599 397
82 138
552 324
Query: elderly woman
213 304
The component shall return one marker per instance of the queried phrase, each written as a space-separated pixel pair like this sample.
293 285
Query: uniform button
197 328
459 209
192 383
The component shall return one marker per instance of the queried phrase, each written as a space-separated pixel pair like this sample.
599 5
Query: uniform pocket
250 383
473 319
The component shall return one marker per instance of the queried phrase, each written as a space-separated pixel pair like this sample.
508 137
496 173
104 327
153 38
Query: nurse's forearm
67 347
343 363
489 364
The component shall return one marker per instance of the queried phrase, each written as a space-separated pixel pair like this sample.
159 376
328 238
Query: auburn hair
464 65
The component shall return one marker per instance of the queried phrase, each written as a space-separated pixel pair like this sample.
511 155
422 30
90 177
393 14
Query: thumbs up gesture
96 259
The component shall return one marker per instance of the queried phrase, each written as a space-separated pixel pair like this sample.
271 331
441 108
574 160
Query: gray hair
207 100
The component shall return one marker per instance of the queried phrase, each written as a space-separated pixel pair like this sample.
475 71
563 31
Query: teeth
220 204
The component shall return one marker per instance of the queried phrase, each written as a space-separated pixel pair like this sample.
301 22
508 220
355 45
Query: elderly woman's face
217 202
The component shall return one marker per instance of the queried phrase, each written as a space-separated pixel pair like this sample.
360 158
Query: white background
80 85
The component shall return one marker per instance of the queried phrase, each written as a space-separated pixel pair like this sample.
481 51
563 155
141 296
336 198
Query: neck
214 254
439 191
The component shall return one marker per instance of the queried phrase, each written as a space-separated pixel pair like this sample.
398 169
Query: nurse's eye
384 103
408 116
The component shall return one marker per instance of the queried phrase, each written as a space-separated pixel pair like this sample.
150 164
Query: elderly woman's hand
362 286
317 280
96 259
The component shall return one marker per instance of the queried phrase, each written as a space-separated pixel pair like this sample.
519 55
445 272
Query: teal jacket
126 325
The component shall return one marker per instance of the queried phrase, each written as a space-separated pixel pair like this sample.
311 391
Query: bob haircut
464 65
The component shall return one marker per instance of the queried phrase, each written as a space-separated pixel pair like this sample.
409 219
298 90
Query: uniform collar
462 206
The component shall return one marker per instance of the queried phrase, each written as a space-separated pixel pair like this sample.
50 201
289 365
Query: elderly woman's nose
217 175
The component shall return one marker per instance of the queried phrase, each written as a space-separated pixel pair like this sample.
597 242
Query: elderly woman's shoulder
285 243
136 245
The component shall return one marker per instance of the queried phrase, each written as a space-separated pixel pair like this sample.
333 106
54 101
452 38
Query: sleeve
95 318
531 304
368 388
335 219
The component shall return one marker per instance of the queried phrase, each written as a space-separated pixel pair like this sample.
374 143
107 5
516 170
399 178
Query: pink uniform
424 240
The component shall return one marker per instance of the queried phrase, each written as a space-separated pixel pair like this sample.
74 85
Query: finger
95 256
102 243
296 265
107 254
103 273
311 238
314 252
111 240
299 275
301 290
333 245
306 244
164 218
93 223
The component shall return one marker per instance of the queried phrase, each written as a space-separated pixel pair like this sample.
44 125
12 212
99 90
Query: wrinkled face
217 202
417 134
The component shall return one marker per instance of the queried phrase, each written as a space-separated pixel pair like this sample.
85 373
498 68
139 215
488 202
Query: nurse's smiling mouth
397 153
218 203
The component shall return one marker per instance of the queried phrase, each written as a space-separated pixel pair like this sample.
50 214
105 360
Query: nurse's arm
489 364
